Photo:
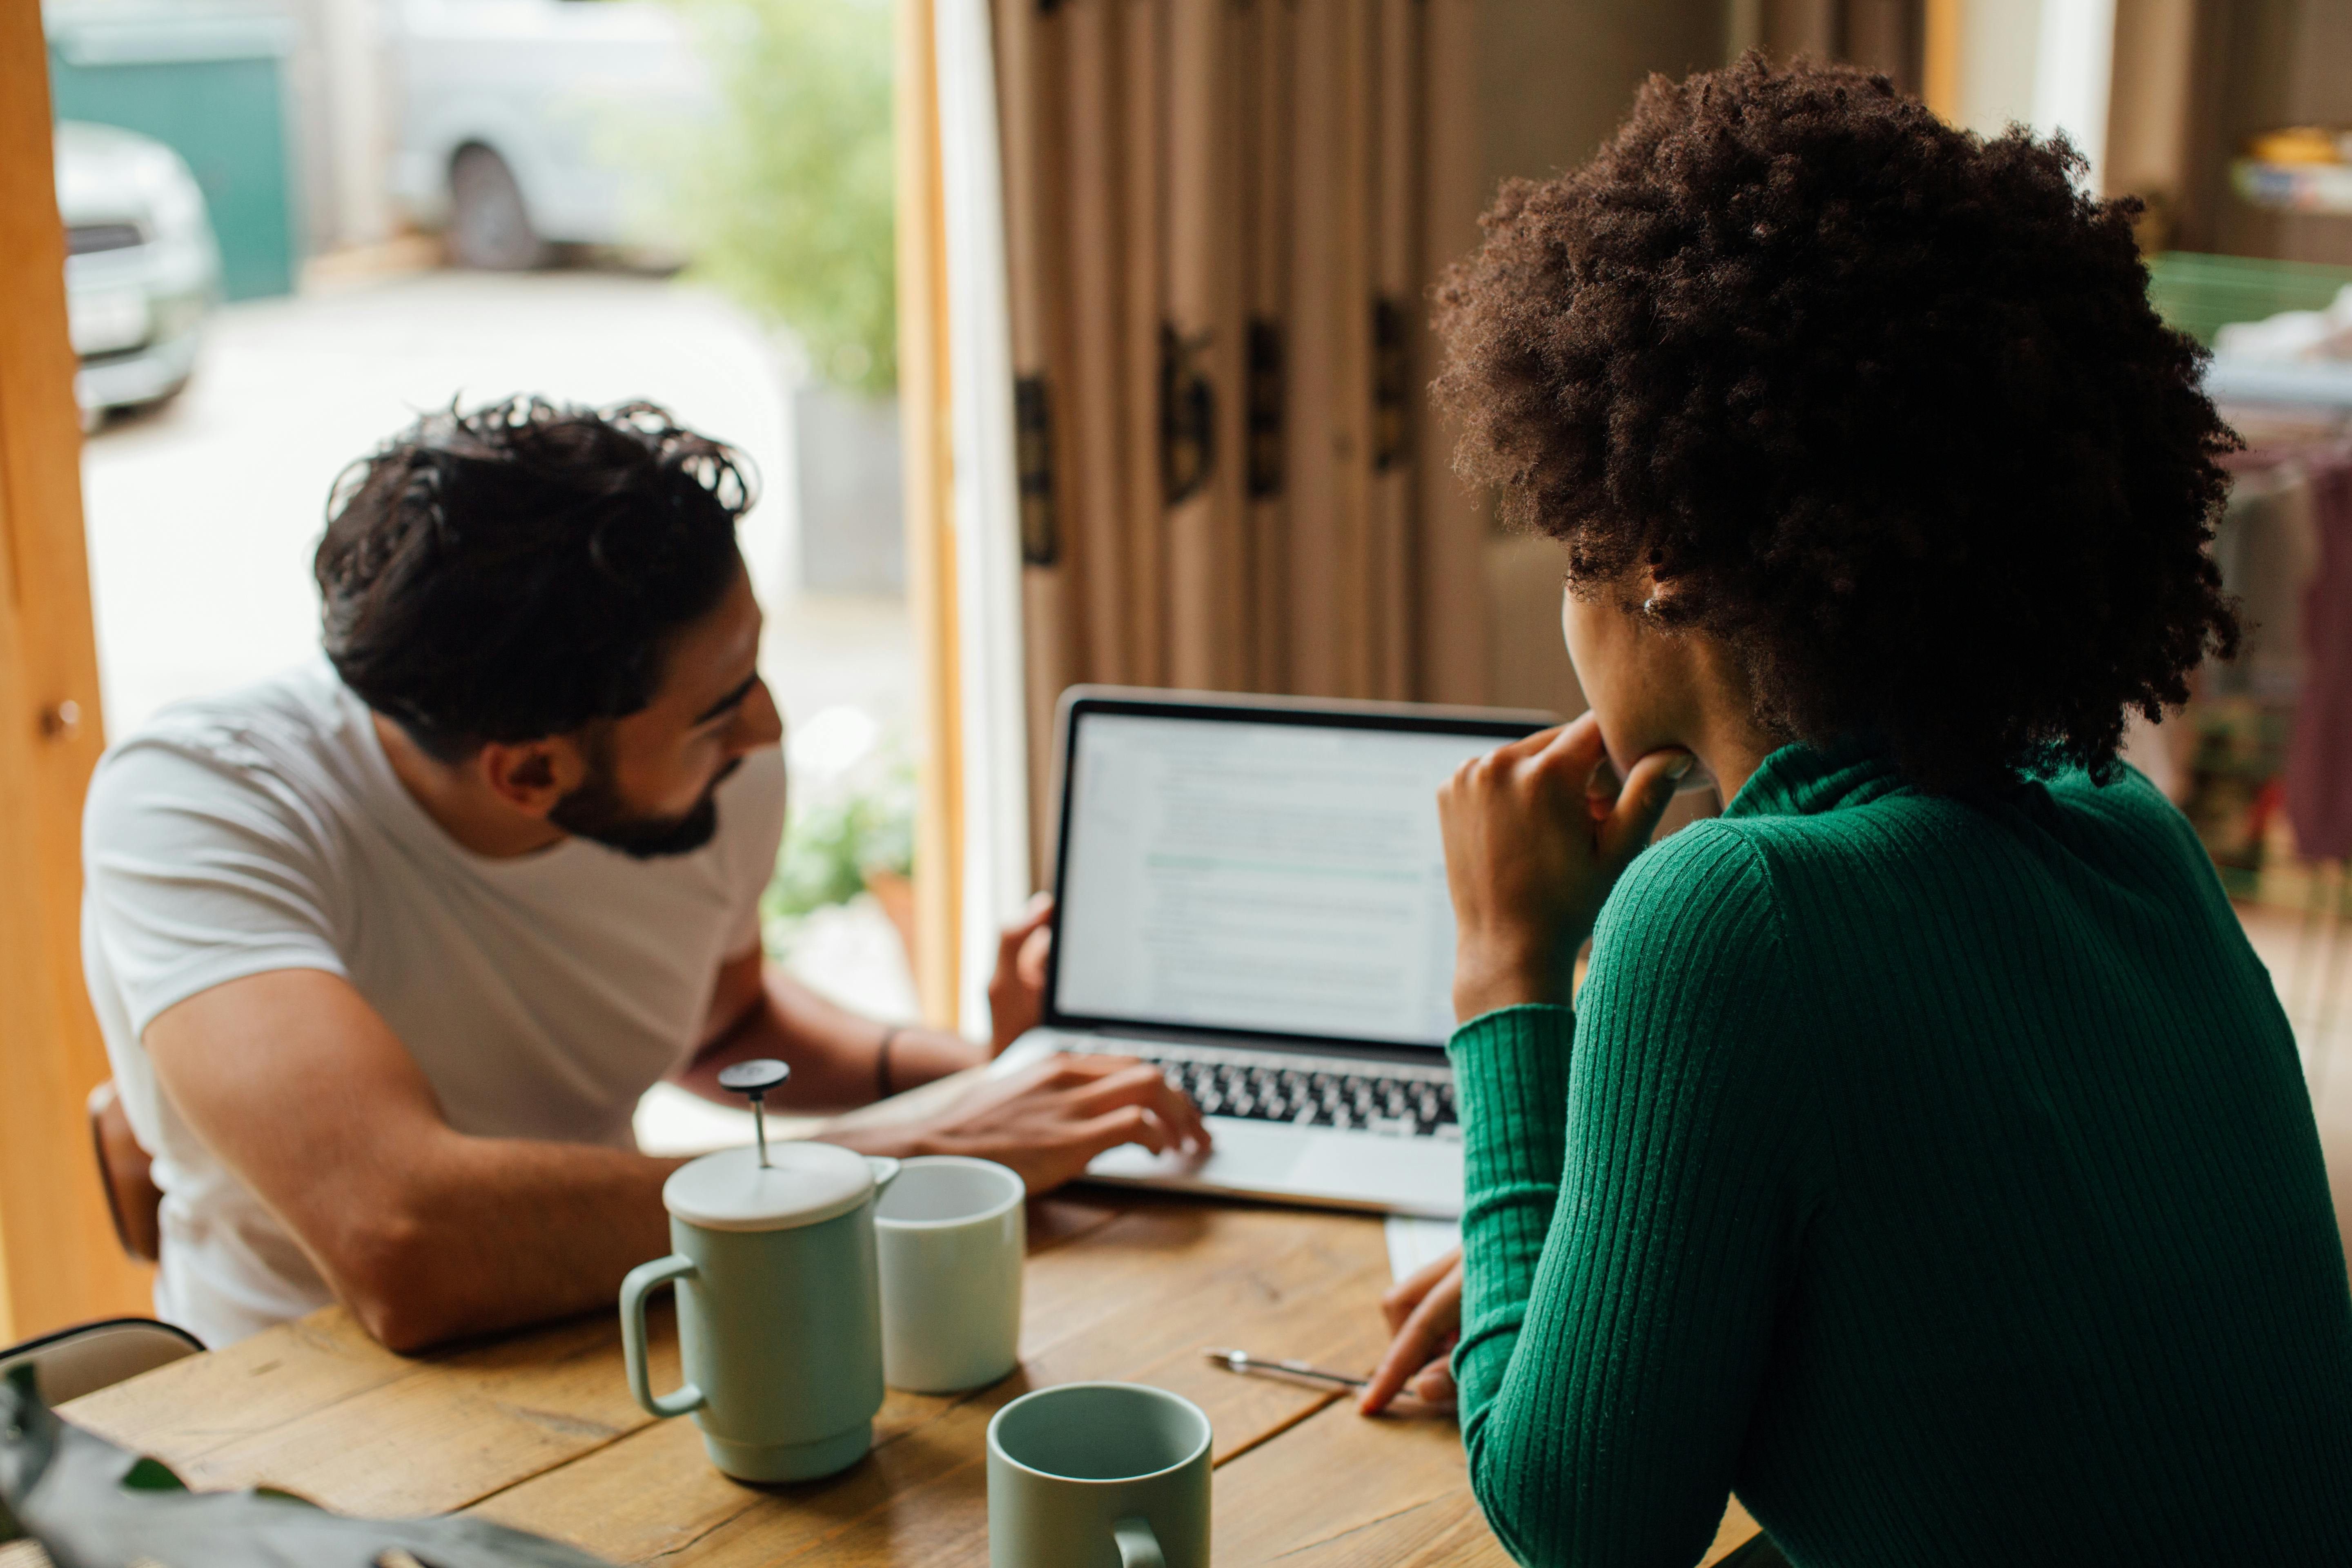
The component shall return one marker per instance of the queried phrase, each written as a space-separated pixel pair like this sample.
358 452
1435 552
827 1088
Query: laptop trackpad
1245 1153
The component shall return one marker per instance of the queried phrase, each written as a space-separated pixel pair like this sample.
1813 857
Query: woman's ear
1653 598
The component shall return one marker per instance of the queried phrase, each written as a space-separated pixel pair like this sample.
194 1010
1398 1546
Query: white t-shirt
540 995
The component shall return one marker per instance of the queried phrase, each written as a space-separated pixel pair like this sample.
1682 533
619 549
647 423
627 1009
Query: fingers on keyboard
1409 1107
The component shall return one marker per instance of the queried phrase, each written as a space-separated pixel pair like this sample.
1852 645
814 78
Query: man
385 953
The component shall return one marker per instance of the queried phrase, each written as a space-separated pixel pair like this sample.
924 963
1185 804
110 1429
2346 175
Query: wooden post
1093 238
1143 89
1939 71
930 537
1205 578
1453 516
2150 107
1801 29
1394 555
59 1258
1029 107
1270 344
1327 457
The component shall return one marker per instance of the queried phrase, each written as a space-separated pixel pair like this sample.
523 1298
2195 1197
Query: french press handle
755 1079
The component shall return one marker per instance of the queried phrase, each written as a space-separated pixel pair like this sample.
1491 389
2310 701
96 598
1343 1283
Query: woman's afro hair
1879 401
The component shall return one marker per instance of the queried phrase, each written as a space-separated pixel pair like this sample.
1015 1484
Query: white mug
950 1235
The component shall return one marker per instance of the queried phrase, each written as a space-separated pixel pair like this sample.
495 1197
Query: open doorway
296 229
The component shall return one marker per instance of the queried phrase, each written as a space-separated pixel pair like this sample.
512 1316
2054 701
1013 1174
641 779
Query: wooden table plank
536 1429
1279 1501
319 1409
1138 1301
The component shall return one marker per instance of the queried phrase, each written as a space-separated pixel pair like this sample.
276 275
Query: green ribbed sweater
1938 1176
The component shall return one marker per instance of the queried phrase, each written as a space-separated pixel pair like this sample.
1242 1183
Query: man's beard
596 811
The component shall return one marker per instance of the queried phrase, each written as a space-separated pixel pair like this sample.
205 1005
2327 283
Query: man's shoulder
301 709
284 742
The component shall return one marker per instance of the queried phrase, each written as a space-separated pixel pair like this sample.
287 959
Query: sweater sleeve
1634 1202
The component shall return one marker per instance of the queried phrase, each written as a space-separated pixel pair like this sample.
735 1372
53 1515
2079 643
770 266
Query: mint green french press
778 1300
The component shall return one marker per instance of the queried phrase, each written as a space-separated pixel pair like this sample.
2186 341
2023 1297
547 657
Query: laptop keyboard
1412 1106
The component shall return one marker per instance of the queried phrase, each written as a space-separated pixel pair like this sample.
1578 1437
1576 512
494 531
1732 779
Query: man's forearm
834 1054
490 1233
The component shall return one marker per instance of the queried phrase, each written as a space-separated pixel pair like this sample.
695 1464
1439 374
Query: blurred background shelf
2294 187
2315 385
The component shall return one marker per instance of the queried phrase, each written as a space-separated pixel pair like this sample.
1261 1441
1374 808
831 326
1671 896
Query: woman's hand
1016 992
1424 1314
1533 844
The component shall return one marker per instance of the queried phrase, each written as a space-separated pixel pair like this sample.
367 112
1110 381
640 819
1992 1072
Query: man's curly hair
1880 403
518 571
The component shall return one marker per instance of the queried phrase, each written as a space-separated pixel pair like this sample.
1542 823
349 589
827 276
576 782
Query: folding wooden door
1223 220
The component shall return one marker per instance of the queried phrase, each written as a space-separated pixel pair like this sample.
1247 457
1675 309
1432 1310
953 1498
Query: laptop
1250 892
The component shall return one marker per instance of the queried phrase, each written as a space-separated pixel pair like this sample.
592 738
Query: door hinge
1188 411
1263 424
1032 457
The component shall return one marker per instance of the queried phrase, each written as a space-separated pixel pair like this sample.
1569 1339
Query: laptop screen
1260 872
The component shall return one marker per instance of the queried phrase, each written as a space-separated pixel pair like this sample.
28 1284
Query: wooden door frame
59 1262
927 447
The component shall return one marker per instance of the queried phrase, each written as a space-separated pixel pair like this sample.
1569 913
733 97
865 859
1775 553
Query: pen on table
1259 1366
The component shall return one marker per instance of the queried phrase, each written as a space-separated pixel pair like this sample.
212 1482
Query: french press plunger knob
755 1079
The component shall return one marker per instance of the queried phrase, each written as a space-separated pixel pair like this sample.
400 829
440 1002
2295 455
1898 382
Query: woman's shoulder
1708 885
1725 881
1722 877
2125 795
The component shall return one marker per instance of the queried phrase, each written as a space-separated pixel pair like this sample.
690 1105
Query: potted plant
786 203
845 835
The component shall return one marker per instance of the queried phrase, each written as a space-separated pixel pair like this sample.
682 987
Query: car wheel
490 227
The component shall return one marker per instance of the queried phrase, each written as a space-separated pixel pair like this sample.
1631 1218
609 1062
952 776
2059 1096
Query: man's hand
1048 1121
1424 1314
1534 841
1017 993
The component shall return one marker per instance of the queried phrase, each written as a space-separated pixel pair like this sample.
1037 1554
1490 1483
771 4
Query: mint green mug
779 1307
1099 1475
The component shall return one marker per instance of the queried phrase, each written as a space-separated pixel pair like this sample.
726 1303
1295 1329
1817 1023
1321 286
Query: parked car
512 113
141 265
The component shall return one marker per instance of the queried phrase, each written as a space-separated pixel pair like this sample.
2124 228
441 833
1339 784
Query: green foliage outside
785 197
836 833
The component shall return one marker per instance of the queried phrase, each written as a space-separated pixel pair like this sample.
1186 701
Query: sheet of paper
1414 1242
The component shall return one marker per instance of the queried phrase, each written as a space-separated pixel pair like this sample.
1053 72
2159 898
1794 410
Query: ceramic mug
779 1309
1099 1475
950 1234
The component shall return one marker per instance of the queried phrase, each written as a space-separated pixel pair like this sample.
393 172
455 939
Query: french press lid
771 1186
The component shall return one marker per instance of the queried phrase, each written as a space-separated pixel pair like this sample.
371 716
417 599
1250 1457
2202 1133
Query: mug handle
1138 1546
642 1282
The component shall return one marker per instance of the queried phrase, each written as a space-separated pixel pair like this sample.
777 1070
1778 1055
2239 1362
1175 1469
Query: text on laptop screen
1276 878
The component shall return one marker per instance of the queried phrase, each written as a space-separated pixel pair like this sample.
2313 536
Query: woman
1925 1156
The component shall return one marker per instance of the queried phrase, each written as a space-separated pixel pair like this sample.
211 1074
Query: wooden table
536 1429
